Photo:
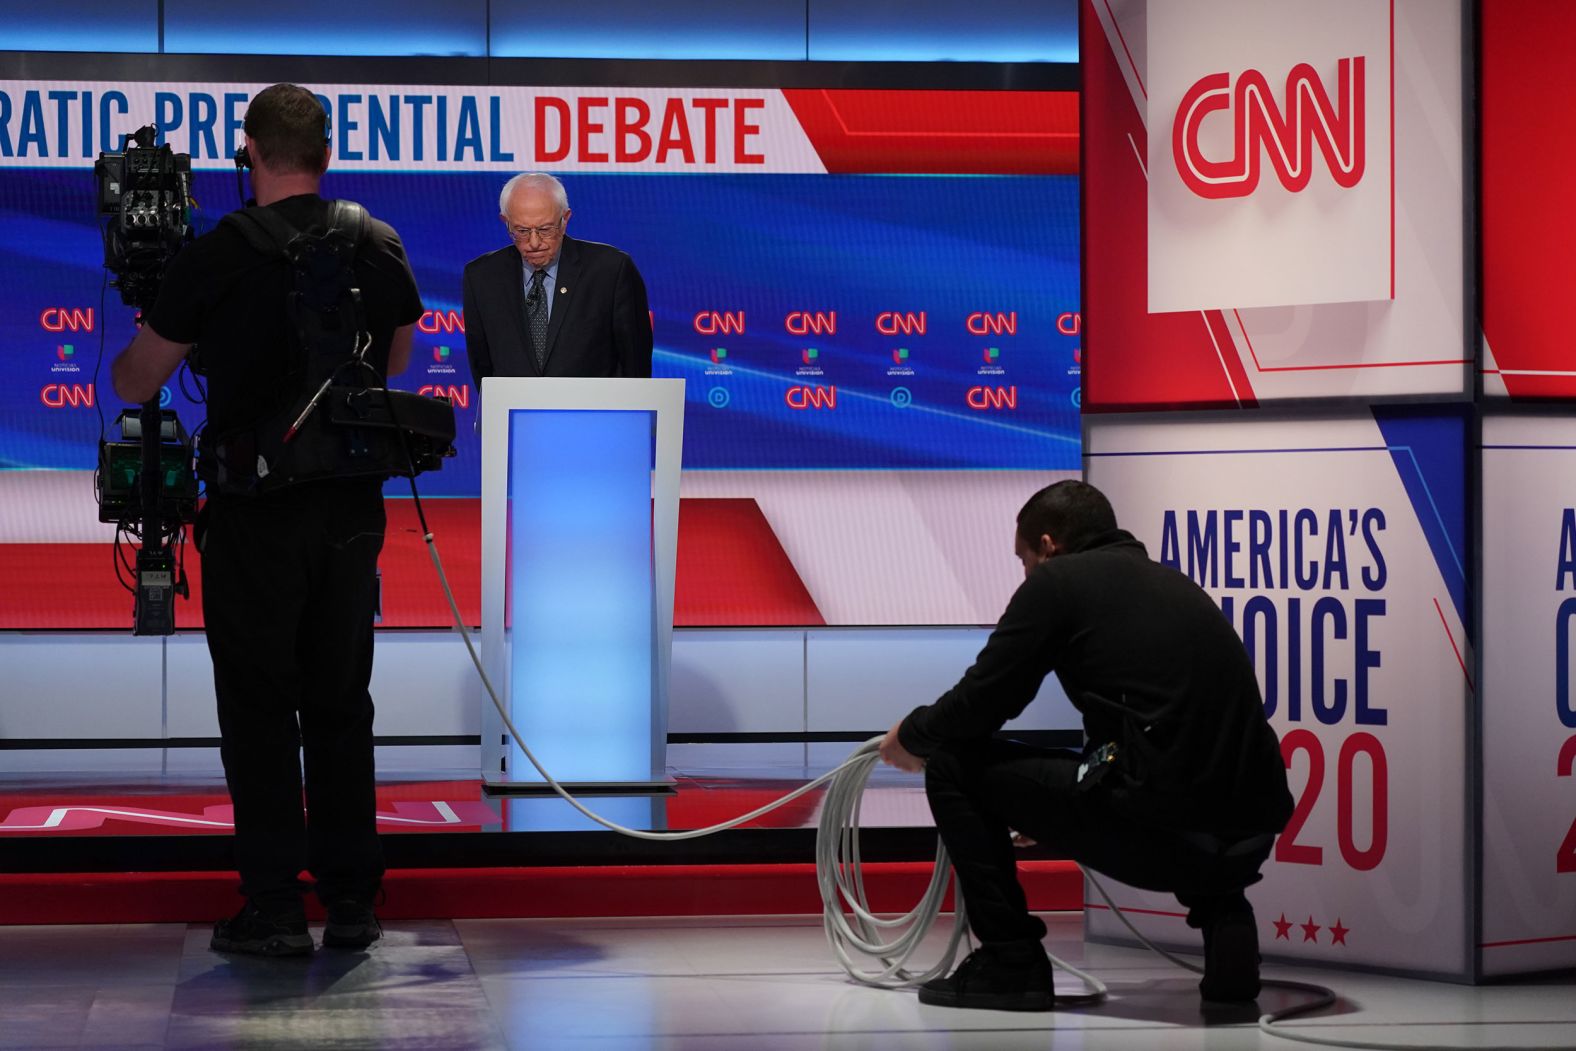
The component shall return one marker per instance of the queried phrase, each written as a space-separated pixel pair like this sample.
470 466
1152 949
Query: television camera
146 481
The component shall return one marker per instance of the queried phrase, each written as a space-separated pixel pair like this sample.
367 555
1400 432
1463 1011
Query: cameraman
289 576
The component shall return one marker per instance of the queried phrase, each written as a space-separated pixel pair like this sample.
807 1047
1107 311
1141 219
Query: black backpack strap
263 229
269 234
351 219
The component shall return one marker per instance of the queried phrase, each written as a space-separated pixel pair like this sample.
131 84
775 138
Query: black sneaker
262 934
996 980
351 925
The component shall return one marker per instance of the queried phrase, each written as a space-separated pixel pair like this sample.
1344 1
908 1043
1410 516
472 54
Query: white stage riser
80 687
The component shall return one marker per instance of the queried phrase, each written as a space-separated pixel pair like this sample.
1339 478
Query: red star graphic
1283 927
1338 933
1310 930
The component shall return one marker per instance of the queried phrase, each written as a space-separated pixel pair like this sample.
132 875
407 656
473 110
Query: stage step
556 891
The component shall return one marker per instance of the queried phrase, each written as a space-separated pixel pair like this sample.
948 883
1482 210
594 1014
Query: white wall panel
737 682
867 679
423 683
192 711
79 686
724 681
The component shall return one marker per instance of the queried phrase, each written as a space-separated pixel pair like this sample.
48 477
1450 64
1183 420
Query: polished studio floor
586 985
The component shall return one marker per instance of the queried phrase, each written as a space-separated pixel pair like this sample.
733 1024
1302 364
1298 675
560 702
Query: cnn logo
1286 133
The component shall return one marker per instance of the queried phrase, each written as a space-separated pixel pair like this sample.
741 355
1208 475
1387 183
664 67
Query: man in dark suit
551 305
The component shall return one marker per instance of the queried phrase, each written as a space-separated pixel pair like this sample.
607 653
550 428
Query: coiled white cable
857 935
860 938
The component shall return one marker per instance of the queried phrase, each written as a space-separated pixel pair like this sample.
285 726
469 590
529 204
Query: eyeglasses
526 233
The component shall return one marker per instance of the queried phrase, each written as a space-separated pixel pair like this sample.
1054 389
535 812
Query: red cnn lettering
892 322
558 109
435 321
67 396
986 398
716 323
1069 324
983 324
460 396
811 397
59 319
1260 126
804 323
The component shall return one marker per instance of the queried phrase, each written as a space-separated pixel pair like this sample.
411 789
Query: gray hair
536 180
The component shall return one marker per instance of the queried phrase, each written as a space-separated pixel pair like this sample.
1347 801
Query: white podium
580 507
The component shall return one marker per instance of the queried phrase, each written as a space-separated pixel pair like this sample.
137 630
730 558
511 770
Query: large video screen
871 295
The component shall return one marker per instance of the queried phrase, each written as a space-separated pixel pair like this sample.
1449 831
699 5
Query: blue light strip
578 607
674 29
943 31
307 27
130 26
781 30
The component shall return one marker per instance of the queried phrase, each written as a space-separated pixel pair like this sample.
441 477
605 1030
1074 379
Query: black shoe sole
273 945
1212 999
1043 1001
353 938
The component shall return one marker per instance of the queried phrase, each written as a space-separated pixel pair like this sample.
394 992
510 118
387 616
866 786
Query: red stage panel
732 571
634 890
406 806
1528 265
953 132
1147 361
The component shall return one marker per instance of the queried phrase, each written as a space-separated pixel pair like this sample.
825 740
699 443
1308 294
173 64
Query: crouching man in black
1181 787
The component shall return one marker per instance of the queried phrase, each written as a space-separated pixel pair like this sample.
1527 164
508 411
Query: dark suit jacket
600 324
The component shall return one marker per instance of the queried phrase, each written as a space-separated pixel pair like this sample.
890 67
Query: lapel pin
563 291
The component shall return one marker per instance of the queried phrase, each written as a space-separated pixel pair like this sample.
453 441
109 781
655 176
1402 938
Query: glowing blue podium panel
579 537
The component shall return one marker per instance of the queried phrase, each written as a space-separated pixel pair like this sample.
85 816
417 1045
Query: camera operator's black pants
979 792
289 588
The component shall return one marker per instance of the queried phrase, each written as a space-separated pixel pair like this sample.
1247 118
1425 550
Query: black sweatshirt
1153 665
